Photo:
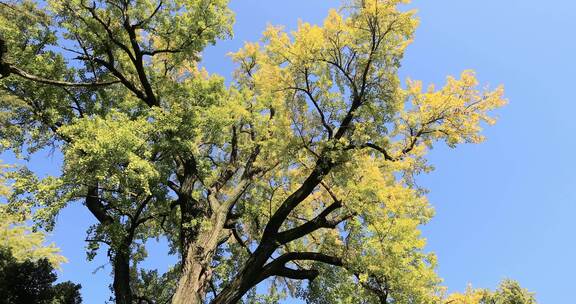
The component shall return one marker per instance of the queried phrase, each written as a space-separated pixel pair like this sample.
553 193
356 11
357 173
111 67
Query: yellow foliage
26 244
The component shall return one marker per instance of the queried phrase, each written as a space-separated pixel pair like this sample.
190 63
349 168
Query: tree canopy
300 173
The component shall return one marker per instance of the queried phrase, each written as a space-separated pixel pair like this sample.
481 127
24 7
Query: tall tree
302 169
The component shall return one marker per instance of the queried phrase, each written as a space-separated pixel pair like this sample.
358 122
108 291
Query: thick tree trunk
122 291
192 285
197 272
121 259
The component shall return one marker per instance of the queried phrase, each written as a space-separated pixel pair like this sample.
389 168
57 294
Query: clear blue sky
505 208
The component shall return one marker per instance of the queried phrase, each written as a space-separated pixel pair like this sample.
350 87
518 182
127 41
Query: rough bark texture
197 273
192 284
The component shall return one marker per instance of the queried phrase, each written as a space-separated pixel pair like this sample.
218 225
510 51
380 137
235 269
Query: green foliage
32 282
24 242
154 287
273 296
508 292
316 133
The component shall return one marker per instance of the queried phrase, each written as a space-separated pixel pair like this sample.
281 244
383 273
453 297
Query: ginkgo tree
301 170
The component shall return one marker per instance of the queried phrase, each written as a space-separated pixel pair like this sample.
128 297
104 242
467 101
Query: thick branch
110 66
384 152
95 206
278 266
297 274
139 65
322 167
320 221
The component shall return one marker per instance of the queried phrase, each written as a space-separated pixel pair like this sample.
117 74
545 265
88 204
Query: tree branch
95 206
143 22
239 240
25 75
278 266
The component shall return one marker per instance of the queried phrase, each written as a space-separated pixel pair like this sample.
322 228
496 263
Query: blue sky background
505 208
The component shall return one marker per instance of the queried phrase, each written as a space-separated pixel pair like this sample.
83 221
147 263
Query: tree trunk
190 289
197 273
122 291
192 285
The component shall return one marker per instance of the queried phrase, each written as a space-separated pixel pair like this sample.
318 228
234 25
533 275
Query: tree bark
121 284
192 285
196 272
248 277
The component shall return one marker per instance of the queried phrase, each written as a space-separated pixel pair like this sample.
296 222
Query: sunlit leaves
168 147
24 242
349 65
508 292
453 113
112 149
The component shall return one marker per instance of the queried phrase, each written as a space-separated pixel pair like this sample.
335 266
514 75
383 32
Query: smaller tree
508 292
32 282
26 262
